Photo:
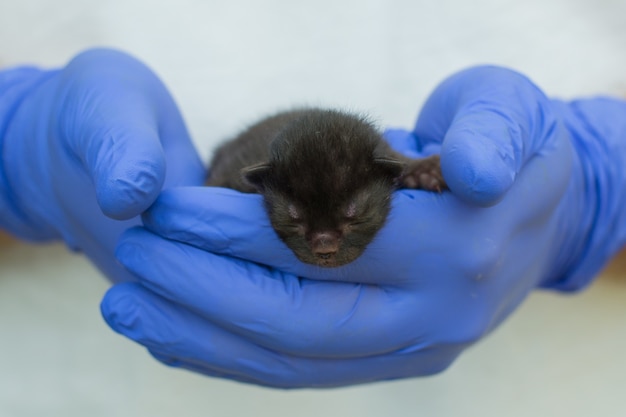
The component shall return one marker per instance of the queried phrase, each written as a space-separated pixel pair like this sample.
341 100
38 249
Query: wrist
594 212
15 85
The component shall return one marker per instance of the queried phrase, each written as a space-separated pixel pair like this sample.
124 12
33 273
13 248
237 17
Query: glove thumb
489 122
111 121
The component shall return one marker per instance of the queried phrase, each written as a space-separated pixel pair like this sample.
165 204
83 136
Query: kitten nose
325 244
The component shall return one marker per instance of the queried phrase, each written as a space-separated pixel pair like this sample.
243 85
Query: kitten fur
326 176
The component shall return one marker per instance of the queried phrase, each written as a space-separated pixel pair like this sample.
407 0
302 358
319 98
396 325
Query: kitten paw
424 174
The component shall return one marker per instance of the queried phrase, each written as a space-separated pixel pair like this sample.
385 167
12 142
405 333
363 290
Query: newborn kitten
326 176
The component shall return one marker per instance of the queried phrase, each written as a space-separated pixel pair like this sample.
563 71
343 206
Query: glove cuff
598 132
15 85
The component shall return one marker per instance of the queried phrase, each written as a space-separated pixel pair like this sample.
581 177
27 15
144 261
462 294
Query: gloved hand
85 147
537 199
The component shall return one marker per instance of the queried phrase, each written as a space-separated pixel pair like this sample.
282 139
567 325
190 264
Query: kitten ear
256 175
391 166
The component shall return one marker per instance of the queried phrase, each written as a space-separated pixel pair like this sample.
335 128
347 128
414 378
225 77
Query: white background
228 63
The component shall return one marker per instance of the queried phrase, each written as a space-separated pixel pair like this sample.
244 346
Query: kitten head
326 186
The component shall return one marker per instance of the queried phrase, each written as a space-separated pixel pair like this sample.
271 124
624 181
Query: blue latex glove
537 200
86 146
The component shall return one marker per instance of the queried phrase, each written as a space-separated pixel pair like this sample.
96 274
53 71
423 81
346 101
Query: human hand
528 176
85 151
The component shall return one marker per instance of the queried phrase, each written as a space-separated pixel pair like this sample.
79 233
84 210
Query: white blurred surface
230 62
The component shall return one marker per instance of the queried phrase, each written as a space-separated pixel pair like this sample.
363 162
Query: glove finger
184 339
230 223
275 309
490 122
216 219
116 113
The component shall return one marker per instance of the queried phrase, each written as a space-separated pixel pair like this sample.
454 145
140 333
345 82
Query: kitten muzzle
325 245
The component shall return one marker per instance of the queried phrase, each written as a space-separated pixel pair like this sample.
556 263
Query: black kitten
326 177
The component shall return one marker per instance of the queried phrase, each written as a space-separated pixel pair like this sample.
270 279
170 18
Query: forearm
598 132
15 85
